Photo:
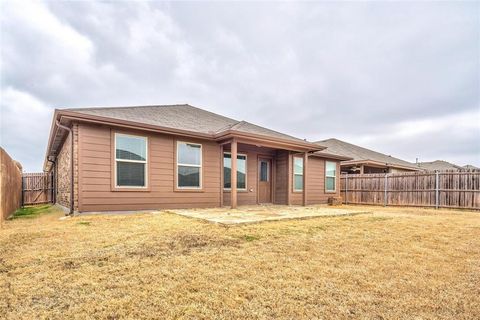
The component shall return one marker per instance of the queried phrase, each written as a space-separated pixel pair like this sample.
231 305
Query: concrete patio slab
259 213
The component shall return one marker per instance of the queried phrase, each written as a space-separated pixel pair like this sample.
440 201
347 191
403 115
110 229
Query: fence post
23 192
436 189
346 188
385 196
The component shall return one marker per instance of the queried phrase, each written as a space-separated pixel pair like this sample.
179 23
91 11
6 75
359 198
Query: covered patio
263 172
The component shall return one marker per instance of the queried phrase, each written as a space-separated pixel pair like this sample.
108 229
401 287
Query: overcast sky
400 78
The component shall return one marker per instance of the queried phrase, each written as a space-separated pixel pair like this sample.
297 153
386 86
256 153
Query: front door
264 181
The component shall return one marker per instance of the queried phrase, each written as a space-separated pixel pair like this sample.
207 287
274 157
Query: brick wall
64 173
75 166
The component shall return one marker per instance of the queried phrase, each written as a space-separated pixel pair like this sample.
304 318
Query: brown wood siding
95 174
281 176
315 181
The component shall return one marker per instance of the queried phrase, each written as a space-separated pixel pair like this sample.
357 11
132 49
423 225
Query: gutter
230 134
57 123
381 164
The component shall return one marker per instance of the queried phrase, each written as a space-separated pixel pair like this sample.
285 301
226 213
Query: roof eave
60 114
264 139
379 163
53 129
331 156
82 117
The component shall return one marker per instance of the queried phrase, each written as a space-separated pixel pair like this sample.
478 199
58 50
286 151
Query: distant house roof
470 167
438 165
363 155
182 117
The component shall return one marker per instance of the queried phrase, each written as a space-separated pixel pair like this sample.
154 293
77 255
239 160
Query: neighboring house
470 167
364 160
179 156
438 165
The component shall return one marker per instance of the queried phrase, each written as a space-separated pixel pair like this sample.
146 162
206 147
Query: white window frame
132 161
190 165
246 170
330 176
298 174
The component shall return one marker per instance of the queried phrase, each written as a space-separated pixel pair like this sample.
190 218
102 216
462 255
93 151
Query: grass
250 238
32 211
397 263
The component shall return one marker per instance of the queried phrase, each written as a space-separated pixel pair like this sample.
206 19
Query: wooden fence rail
447 189
37 188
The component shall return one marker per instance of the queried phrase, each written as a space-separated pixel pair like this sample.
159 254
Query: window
330 176
189 165
130 161
264 171
297 174
241 171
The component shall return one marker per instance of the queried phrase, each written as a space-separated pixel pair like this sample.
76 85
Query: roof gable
438 165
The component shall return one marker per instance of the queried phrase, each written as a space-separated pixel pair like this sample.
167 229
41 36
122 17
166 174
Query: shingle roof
182 117
357 153
438 165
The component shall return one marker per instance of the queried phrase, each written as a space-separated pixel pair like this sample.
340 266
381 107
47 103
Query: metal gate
37 188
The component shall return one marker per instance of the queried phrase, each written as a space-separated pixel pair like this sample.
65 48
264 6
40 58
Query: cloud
25 122
382 74
455 137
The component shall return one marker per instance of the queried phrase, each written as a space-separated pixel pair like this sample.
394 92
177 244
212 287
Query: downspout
71 163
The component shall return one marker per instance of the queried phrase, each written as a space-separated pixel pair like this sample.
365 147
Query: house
180 156
438 165
364 160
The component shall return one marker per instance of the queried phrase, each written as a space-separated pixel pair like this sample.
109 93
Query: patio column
222 184
289 178
233 174
305 165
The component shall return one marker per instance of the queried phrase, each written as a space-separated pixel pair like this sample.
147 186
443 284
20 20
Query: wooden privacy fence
37 188
10 185
446 189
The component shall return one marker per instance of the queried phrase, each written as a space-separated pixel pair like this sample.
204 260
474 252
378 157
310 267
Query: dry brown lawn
392 264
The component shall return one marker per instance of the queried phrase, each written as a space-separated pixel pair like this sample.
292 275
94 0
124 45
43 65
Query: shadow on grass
32 211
